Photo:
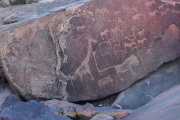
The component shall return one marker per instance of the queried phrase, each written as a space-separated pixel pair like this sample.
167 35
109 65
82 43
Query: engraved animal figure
117 13
101 11
129 45
153 13
141 33
115 30
164 12
84 67
104 33
128 64
141 41
131 37
136 17
161 6
80 28
148 4
105 81
175 11
129 10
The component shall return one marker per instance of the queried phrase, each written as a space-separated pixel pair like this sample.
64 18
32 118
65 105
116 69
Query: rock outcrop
91 50
165 77
165 106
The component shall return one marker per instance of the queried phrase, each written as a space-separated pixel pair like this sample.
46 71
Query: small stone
102 117
86 112
69 111
119 114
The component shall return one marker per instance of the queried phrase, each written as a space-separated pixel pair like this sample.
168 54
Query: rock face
32 110
165 77
165 106
91 50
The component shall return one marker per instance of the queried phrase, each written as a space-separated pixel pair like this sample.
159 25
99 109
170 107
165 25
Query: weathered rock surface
86 112
6 3
102 117
7 98
164 107
61 103
20 12
30 110
89 51
165 77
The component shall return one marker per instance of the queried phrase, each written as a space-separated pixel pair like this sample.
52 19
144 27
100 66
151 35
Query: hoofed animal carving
105 81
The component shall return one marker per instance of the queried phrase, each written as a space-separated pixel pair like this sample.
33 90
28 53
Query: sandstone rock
7 98
165 106
88 55
31 1
119 114
148 88
102 117
30 110
69 111
86 112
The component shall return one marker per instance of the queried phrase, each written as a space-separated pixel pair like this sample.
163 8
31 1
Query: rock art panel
89 51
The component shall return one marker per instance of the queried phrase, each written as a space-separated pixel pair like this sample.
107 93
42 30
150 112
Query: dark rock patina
91 50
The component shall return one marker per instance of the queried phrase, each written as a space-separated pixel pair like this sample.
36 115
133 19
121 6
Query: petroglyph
150 4
117 13
84 67
104 33
101 11
175 11
115 30
161 6
128 64
137 16
141 41
105 81
129 10
170 2
80 28
153 13
129 45
131 37
141 33
164 12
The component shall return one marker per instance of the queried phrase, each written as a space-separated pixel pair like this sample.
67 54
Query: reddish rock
165 106
102 117
119 114
86 112
100 49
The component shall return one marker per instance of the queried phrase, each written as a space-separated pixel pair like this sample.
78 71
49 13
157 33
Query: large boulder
164 107
31 110
165 77
91 50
